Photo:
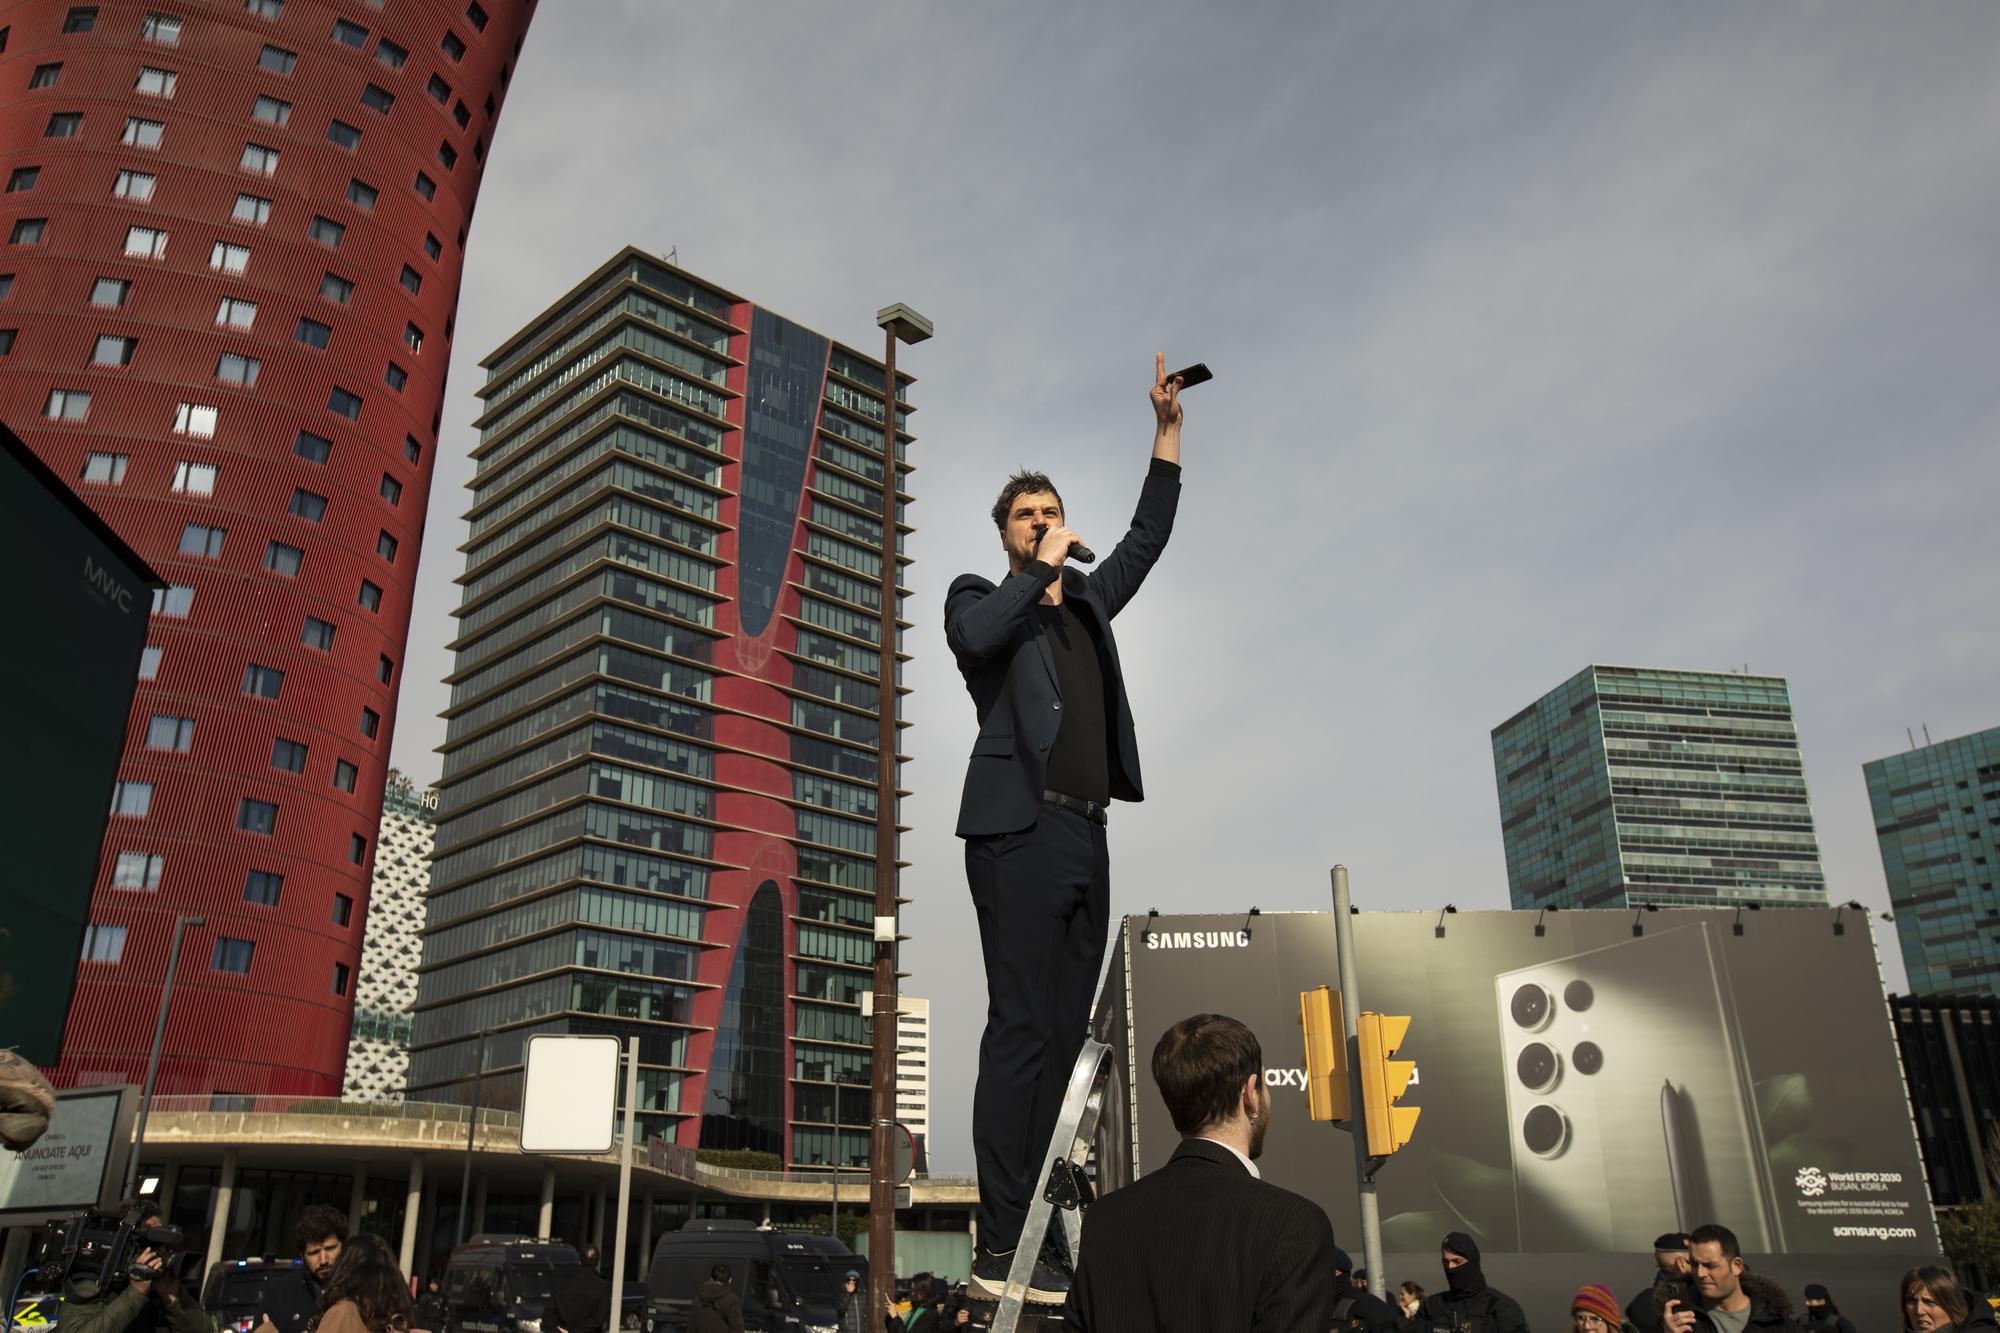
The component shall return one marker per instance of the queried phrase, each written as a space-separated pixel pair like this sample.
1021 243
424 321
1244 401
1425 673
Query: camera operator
122 1303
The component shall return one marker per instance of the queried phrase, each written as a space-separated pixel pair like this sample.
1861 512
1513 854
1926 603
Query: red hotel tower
234 232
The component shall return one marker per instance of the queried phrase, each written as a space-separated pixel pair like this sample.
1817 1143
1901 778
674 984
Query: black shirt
1080 761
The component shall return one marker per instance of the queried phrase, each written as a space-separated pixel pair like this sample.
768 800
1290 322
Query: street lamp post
898 322
181 923
471 1127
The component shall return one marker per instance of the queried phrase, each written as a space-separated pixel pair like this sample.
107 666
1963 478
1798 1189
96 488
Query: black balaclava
1343 1267
1815 1292
1466 1279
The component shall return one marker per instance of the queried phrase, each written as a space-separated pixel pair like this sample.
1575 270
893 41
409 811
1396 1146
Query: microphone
1078 552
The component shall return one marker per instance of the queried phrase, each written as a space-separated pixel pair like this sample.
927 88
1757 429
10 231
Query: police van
789 1282
497 1284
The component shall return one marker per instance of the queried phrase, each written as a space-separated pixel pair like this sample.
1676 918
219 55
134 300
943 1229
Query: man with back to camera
1670 1259
1055 743
1204 1243
1727 1298
1467 1304
582 1295
1355 1308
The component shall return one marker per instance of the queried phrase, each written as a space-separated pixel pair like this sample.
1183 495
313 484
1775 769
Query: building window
165 732
134 185
103 944
346 403
143 133
308 506
447 156
377 98
412 280
335 288
7 337
357 848
259 159
138 870
277 60
390 54
413 337
439 90
326 231
425 186
476 17
271 111
227 257
344 134
234 955
109 291
385 546
149 661
313 448
362 195
371 723
236 312
349 34
288 756
263 887
392 490
395 377
344 775
370 598
113 349
262 682
317 634
64 125
134 800
234 368
156 82
28 231
147 243
462 114
452 46
81 18
176 601
198 420
411 449
67 405
384 668
251 210
313 333
46 76
161 30
340 978
199 539
283 560
265 9
22 178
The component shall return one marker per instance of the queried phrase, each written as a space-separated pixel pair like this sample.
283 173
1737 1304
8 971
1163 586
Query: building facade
913 1065
234 239
660 774
1630 786
378 1050
1937 818
1951 1062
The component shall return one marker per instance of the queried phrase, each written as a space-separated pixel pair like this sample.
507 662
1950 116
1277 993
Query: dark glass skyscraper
1628 786
1937 817
659 791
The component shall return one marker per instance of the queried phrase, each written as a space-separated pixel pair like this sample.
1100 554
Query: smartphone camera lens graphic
1578 996
1538 1066
1532 1007
1545 1131
1588 1057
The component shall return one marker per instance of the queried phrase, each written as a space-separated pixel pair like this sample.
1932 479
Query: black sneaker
1048 1286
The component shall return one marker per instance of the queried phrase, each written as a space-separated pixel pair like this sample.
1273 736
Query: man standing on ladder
1055 743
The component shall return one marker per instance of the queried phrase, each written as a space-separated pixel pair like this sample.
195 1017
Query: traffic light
1383 1080
1326 1055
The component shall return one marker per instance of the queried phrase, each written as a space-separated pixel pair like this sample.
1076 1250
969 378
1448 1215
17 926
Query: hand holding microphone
1054 545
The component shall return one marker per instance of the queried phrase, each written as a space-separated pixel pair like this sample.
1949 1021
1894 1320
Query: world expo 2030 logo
1811 1181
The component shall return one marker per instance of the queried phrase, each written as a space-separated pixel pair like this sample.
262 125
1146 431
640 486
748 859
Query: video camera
94 1253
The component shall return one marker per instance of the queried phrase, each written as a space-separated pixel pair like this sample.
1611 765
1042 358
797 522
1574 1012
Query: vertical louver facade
234 235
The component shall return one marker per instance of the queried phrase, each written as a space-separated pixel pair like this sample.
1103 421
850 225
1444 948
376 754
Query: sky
1543 334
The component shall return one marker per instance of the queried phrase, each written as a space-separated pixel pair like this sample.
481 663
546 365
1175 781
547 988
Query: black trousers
1043 897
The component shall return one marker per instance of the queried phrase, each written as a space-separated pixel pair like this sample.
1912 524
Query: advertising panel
78 1160
1588 1081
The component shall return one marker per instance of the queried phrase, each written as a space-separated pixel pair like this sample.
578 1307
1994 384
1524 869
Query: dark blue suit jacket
1011 672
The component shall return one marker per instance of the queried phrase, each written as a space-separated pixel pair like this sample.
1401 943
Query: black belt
1090 810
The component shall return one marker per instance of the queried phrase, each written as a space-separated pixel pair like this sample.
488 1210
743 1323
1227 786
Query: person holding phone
1056 744
1728 1298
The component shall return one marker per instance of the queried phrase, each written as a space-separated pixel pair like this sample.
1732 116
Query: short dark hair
1020 484
1716 1235
1942 1286
719 1273
1412 1289
366 1274
1200 1065
317 1222
924 1292
588 1254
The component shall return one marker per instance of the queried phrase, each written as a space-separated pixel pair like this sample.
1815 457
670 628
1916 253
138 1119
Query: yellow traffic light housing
1383 1081
1326 1055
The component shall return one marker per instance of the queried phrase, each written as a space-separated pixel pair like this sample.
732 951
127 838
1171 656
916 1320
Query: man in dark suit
1203 1244
1055 744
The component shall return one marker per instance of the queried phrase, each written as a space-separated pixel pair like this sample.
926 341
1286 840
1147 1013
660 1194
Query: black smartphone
1198 373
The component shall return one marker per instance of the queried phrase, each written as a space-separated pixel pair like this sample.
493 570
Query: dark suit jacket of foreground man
1202 1246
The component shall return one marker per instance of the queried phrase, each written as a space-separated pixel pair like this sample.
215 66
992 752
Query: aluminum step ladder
1066 1190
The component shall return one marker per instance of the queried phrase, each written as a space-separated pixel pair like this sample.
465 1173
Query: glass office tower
1629 786
1937 817
660 782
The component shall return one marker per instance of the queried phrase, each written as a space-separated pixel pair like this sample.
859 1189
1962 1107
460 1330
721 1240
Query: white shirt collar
1248 1165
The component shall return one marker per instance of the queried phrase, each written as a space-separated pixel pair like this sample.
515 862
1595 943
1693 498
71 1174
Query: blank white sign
570 1104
